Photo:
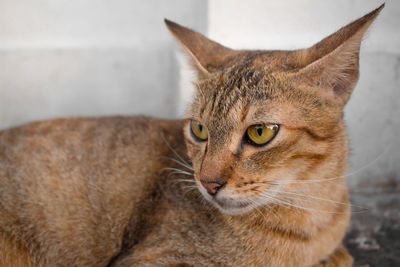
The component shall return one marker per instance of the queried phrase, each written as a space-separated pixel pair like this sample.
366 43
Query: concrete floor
374 236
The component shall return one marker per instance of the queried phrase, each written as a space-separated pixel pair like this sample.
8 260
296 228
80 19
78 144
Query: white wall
90 58
373 113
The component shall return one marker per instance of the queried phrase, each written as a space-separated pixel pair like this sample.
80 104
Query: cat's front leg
339 258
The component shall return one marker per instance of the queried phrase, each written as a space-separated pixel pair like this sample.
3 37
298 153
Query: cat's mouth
230 206
227 203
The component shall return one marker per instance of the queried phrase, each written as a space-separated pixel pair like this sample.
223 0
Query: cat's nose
212 186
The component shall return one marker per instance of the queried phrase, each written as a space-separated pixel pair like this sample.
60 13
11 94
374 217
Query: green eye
261 134
198 130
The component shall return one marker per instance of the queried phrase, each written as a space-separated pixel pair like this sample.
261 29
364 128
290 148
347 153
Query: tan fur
125 191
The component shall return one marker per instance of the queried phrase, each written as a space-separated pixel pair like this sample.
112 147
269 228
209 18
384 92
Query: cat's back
70 187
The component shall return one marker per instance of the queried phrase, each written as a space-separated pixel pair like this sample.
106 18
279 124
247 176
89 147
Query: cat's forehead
227 94
244 95
249 76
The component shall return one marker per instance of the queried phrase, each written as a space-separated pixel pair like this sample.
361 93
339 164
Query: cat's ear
205 55
332 65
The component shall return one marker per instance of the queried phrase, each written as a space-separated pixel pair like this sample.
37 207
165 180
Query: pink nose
212 187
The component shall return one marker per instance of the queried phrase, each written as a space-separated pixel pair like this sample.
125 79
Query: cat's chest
198 237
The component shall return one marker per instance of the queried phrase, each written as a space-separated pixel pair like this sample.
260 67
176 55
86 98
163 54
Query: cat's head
261 119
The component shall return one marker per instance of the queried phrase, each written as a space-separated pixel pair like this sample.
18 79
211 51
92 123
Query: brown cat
266 148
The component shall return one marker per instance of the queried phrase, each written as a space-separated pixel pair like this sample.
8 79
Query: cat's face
248 132
261 121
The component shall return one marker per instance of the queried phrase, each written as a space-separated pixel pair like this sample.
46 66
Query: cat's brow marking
245 111
310 133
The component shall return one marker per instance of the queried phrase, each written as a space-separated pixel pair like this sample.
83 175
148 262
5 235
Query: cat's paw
339 258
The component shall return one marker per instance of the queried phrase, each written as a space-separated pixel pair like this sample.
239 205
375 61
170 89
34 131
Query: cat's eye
260 134
198 130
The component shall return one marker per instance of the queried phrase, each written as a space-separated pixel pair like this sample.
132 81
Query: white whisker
314 197
186 180
329 179
184 162
371 162
178 171
188 189
180 163
255 205
286 202
308 181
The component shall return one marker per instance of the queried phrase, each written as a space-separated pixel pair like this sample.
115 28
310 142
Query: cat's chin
227 205
232 208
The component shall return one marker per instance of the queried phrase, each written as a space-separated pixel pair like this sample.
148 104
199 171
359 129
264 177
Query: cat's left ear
205 55
332 65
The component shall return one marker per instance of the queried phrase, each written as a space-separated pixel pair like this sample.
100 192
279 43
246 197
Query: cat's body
85 182
120 192
90 194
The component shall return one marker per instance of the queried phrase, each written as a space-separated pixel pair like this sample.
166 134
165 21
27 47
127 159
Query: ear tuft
332 65
205 55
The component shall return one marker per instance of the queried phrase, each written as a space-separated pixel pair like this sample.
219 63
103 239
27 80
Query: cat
255 178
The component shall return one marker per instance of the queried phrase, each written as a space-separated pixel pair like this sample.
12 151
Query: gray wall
90 58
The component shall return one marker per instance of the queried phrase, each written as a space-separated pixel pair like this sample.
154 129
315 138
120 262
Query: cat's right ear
331 67
205 55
